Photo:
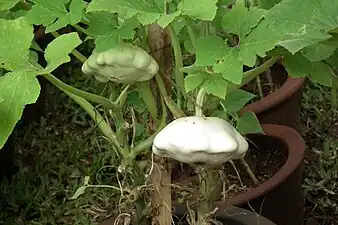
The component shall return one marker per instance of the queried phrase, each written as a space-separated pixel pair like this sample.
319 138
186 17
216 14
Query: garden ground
55 154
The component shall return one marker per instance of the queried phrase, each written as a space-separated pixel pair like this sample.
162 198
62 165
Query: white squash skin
194 139
124 64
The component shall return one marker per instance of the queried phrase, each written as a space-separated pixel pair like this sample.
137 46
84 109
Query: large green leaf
215 85
107 31
15 39
146 11
101 23
240 20
209 49
318 52
230 66
17 90
54 15
212 51
103 6
198 77
7 4
268 4
194 81
249 124
58 50
236 100
303 23
116 35
261 40
299 66
201 9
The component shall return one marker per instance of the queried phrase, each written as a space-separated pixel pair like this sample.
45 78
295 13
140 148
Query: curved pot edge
291 86
240 215
296 153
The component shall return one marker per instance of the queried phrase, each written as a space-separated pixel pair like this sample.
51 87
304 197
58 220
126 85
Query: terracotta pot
279 198
282 106
228 216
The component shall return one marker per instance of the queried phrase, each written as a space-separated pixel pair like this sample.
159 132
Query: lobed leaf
215 85
230 67
318 52
209 49
240 20
146 11
15 40
261 40
303 23
17 89
58 50
299 66
54 15
236 100
116 35
7 4
202 9
249 124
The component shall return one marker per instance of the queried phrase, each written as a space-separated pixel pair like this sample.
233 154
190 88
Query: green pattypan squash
125 64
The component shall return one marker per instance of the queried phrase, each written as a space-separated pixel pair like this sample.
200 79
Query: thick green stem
146 144
174 109
101 123
178 64
334 92
81 29
192 34
75 52
89 96
120 127
123 96
199 102
251 74
149 100
210 187
205 28
259 87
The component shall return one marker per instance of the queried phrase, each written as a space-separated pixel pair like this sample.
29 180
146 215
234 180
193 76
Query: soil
263 162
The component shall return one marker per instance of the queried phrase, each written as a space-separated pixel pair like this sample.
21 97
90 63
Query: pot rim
290 86
296 152
235 213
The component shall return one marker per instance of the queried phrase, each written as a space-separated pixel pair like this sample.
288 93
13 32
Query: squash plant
210 40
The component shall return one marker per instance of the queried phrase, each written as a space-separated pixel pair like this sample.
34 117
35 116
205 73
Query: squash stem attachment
146 144
101 123
199 102
178 65
149 100
176 111
83 94
123 96
81 29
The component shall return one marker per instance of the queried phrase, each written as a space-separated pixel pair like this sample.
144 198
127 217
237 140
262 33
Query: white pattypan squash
194 139
125 63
